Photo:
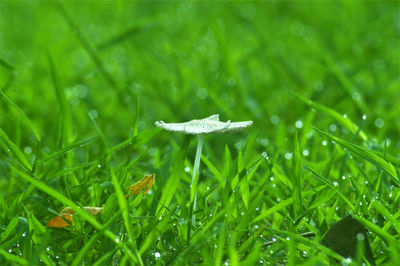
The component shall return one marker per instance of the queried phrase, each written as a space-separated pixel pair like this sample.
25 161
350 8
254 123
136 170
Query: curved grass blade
363 153
24 116
73 146
66 201
17 152
326 181
345 121
297 166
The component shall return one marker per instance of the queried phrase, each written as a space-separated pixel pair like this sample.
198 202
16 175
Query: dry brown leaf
143 184
59 222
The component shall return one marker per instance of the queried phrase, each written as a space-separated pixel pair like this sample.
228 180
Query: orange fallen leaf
66 213
59 222
143 184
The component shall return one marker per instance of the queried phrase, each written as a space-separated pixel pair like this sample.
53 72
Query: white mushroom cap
208 125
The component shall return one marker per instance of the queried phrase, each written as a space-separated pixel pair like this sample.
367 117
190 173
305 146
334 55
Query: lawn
83 83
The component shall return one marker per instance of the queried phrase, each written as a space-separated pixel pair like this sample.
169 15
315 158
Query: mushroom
201 127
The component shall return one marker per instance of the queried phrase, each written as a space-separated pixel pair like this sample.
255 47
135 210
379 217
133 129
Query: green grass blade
13 258
76 145
175 176
297 166
125 214
15 150
326 181
67 202
345 121
363 153
23 115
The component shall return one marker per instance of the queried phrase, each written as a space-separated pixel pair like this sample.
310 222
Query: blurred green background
177 61
188 60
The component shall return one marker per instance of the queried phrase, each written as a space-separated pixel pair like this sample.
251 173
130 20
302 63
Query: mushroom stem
195 177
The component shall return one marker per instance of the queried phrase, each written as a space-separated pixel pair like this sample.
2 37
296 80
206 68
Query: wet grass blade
23 115
15 150
345 121
175 176
71 147
79 211
363 153
297 166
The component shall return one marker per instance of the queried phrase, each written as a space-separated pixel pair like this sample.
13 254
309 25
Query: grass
82 83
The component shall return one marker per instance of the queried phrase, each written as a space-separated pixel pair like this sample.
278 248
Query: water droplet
299 124
117 240
361 203
271 178
379 123
201 93
24 234
364 117
287 238
157 255
257 209
99 165
306 152
390 195
324 142
261 261
278 200
288 155
360 237
366 182
28 150
226 262
332 127
10 250
93 113
48 248
187 169
335 184
274 119
345 115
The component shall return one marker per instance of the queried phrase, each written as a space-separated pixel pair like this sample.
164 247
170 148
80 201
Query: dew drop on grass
345 115
187 169
226 262
332 127
366 182
274 119
299 124
99 166
273 185
278 199
93 113
48 248
117 240
343 177
324 142
287 238
157 255
360 237
364 117
208 188
390 195
261 261
361 203
335 184
10 250
379 123
288 155
306 152
271 178
24 234
28 150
